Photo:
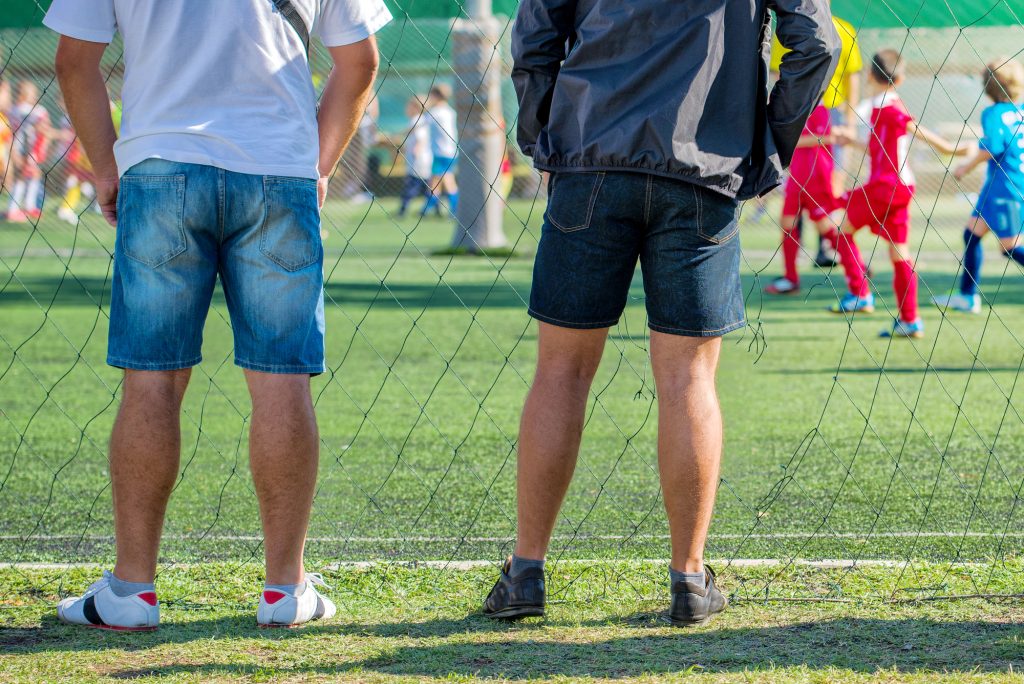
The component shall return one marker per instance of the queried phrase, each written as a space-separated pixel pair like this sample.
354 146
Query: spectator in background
30 125
358 157
6 134
841 99
416 151
444 147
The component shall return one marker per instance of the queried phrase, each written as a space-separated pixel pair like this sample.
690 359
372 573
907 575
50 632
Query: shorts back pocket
150 218
291 230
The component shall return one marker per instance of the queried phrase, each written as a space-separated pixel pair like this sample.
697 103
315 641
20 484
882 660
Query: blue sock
1017 254
290 589
972 264
698 578
453 200
122 588
518 565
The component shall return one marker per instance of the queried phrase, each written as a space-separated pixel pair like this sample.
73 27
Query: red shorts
883 208
815 198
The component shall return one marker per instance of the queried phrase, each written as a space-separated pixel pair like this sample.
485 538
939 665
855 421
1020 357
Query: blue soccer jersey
1002 196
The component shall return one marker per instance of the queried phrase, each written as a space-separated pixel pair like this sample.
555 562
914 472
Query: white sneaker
67 215
959 302
101 608
278 609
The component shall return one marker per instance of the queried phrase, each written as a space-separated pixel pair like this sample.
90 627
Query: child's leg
1013 248
853 265
790 248
973 255
904 282
73 192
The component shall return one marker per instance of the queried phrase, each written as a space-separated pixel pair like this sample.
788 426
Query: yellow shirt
850 62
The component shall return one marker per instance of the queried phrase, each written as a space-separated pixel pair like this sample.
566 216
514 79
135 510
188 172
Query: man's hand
321 190
106 198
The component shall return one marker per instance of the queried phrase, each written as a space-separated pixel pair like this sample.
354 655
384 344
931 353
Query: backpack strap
292 16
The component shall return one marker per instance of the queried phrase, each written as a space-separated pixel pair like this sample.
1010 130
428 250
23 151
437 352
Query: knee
571 373
284 390
156 388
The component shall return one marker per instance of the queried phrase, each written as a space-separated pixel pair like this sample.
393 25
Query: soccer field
839 445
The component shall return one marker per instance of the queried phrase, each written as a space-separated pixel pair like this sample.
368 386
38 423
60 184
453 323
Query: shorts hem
684 332
572 324
281 369
128 364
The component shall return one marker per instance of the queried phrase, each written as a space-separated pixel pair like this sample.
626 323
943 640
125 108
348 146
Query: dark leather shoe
516 597
693 604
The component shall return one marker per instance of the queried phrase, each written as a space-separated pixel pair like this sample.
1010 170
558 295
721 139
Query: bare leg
551 429
284 450
145 448
689 439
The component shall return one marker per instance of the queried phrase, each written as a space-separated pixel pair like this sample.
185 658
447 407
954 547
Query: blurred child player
809 190
418 159
883 203
1000 207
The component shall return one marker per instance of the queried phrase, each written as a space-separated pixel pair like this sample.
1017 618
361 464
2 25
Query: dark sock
698 578
972 264
1017 254
290 589
521 564
122 588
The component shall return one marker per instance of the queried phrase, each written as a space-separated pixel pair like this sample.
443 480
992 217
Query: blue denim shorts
179 227
598 225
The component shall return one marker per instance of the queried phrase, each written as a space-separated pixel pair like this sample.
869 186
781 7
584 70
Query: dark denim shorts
598 225
179 228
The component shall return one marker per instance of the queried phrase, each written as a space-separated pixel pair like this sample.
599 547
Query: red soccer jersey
889 145
813 166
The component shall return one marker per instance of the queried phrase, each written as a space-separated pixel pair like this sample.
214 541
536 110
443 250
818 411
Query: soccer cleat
693 605
959 302
99 607
513 598
782 286
67 216
905 330
851 303
16 216
278 609
826 258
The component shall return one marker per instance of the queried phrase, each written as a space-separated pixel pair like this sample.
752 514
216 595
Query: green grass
399 623
839 445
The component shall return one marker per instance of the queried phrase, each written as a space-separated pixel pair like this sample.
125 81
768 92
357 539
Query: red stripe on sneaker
273 597
148 596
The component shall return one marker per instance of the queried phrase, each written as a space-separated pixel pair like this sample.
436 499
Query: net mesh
840 447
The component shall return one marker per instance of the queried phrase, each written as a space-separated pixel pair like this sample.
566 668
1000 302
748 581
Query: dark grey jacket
671 87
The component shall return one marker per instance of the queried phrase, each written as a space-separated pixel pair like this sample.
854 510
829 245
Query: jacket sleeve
542 31
804 27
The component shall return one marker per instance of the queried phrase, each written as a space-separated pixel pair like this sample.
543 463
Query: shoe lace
316 579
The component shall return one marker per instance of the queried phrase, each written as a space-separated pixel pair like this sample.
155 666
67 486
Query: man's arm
85 94
540 34
805 28
343 102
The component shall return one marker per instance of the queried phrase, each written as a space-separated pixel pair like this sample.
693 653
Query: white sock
32 194
17 196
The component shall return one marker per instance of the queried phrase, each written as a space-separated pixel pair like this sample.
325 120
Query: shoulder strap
292 16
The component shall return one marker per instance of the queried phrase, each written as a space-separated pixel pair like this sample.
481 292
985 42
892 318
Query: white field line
580 537
827 564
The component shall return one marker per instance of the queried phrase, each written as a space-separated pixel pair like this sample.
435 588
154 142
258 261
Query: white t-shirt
443 133
416 148
214 82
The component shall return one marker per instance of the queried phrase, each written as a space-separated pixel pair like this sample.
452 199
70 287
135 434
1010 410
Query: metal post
477 61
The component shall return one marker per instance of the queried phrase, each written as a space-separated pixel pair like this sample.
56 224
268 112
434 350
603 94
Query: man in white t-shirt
220 170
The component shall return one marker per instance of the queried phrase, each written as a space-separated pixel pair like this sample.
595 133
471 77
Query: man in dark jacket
654 119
